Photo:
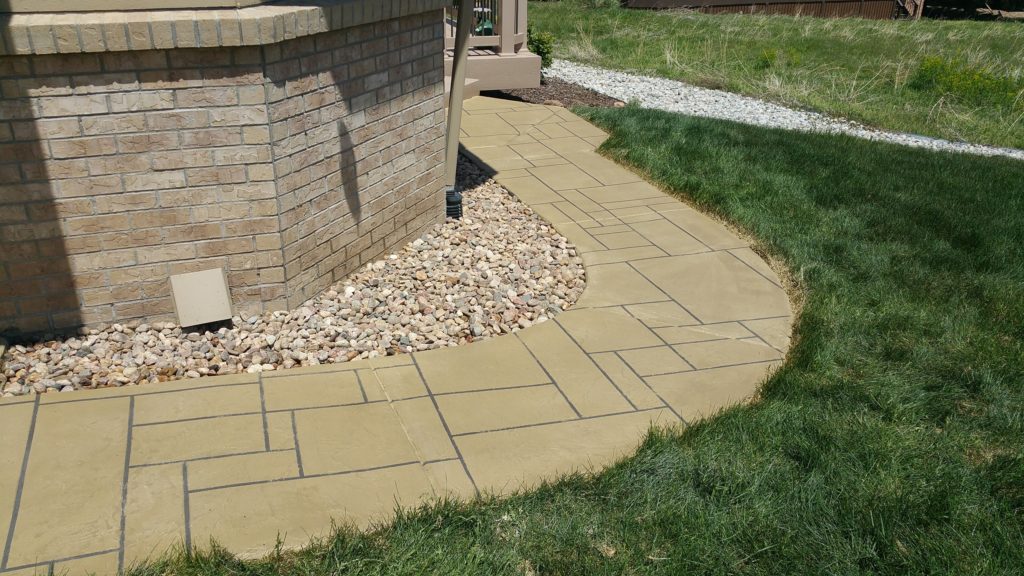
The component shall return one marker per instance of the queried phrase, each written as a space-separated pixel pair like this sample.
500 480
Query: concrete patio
679 319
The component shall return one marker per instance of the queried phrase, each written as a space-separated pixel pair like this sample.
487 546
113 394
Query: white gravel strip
675 96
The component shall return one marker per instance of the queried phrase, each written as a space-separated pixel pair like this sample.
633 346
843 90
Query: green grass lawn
951 79
889 443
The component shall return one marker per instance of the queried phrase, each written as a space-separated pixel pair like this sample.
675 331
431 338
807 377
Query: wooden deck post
508 27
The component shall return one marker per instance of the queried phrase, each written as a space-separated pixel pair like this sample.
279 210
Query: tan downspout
453 199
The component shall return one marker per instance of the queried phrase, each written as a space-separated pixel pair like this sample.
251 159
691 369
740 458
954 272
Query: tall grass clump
967 83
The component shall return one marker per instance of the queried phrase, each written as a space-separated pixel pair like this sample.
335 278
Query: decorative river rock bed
499 269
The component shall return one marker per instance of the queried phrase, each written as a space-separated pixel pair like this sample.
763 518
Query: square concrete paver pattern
679 319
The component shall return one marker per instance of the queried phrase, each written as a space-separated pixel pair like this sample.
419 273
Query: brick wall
356 123
288 164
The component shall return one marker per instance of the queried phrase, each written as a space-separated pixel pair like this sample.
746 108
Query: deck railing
499 25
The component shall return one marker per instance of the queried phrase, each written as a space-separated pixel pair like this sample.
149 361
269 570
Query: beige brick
138 273
102 260
209 37
96 224
190 197
162 31
238 116
272 274
115 32
91 35
52 128
83 244
42 39
193 232
16 39
196 265
119 164
61 208
215 175
142 308
141 101
78 147
100 83
114 203
178 119
109 295
210 137
251 226
139 37
65 34
22 152
260 172
236 76
90 186
230 31
255 134
154 180
72 105
174 159
131 239
110 124
263 208
90 280
185 30
268 242
134 60
250 95
147 142
250 30
224 247
203 97
151 254
96 315
161 217
38 171
241 155
156 288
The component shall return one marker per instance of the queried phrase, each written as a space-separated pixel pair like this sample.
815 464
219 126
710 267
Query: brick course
289 164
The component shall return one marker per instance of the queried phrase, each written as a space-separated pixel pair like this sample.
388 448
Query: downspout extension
453 198
452 202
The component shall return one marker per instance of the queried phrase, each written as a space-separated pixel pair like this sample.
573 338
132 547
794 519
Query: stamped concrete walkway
679 319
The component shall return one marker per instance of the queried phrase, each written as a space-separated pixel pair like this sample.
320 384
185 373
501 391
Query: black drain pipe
453 203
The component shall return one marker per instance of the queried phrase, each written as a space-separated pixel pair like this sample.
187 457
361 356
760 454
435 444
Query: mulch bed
556 91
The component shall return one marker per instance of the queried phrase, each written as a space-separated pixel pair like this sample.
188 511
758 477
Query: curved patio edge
680 318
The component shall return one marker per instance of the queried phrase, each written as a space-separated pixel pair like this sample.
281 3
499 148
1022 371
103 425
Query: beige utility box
201 297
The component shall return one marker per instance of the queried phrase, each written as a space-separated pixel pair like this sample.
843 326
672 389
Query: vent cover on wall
201 297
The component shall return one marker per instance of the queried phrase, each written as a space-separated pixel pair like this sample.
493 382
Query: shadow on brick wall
322 134
37 291
338 152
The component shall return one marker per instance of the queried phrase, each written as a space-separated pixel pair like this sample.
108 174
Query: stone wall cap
81 32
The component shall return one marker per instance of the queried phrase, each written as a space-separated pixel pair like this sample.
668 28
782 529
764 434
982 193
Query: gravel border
500 269
675 96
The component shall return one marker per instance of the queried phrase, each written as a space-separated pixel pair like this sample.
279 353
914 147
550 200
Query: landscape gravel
500 269
675 96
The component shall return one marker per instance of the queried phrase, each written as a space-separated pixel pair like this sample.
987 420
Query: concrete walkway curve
679 319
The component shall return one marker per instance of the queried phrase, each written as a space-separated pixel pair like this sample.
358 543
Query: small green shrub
966 83
542 44
774 58
767 59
